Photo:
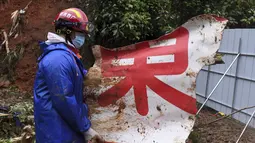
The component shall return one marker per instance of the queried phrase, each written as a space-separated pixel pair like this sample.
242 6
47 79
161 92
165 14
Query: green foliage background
123 22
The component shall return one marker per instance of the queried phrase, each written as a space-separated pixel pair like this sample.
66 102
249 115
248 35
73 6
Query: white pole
245 127
218 83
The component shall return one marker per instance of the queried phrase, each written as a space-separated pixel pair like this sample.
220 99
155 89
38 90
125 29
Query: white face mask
79 40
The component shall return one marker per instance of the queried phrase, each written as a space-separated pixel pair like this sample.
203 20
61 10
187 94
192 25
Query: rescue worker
60 114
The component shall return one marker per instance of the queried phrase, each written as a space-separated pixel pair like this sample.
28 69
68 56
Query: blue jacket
60 114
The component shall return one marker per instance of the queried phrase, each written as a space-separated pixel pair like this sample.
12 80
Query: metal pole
218 83
245 127
236 74
207 81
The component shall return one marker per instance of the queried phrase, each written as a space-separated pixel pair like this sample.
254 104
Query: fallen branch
230 114
16 17
4 115
6 42
226 116
27 5
2 44
15 21
28 136
12 30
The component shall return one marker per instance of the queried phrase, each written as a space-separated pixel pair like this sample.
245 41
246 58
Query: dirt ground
37 23
224 131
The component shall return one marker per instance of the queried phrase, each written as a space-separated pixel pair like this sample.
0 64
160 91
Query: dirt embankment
37 22
223 131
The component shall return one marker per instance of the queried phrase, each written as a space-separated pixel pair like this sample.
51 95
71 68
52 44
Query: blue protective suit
60 114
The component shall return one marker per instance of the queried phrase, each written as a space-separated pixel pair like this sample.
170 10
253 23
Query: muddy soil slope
37 22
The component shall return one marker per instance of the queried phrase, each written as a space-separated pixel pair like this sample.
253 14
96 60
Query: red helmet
75 19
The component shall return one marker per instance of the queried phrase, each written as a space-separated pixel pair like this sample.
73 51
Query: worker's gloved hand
91 136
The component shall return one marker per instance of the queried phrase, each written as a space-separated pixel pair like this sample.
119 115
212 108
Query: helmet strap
66 32
68 38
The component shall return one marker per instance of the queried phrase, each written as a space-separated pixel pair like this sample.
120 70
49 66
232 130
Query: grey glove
91 136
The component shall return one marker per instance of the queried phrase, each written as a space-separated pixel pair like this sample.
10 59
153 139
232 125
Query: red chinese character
141 73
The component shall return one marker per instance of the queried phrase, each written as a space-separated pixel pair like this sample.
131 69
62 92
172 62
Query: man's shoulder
58 58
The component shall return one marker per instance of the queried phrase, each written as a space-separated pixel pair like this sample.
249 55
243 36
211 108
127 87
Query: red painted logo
140 74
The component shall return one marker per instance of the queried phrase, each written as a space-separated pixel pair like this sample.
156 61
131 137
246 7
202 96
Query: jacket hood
54 42
54 38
